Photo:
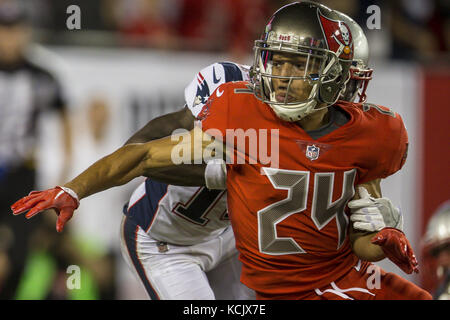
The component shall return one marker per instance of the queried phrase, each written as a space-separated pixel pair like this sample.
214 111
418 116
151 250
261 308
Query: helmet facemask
307 86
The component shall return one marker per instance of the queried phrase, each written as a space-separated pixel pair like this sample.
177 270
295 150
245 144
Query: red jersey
289 218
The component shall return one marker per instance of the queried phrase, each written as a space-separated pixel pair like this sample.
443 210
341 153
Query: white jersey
189 215
208 79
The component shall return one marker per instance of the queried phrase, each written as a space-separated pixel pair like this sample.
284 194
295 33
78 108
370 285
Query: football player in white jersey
178 240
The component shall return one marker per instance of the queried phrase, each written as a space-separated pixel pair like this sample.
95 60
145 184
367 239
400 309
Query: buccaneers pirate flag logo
338 36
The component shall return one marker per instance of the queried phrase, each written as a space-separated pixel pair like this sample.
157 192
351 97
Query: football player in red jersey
289 216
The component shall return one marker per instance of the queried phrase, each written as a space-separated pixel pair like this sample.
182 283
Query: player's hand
396 247
63 200
373 214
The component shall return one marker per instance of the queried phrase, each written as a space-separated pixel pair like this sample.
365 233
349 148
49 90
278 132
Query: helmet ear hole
334 83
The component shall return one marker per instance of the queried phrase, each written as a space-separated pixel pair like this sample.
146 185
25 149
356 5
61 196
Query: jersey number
322 210
198 207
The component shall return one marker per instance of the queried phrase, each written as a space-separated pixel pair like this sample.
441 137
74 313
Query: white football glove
373 214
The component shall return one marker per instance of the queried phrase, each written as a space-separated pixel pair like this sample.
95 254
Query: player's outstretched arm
118 168
158 159
112 170
164 126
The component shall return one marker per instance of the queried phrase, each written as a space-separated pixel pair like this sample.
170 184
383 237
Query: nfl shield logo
312 152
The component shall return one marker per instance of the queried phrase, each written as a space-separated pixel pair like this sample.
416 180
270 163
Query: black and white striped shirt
26 90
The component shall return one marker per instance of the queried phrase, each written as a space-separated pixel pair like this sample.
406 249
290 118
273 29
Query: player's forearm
180 175
364 249
164 126
113 170
186 151
155 159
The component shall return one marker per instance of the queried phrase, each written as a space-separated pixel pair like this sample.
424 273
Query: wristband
72 193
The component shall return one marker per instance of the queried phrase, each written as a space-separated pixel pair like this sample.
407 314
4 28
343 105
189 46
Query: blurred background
72 91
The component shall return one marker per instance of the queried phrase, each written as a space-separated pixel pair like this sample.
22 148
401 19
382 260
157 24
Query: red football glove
396 247
58 199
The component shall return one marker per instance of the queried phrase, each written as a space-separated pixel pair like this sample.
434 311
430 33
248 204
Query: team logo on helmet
338 36
202 93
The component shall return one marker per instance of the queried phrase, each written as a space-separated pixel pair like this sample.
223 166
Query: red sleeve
388 146
221 114
213 118
399 151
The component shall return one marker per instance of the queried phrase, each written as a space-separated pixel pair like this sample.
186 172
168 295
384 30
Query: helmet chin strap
295 112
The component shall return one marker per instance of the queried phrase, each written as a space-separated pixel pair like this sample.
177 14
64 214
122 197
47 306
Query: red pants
366 282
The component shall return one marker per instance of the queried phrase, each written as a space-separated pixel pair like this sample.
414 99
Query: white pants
205 271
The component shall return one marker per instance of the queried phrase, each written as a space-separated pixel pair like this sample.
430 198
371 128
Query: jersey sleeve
197 92
205 82
214 115
390 149
400 151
